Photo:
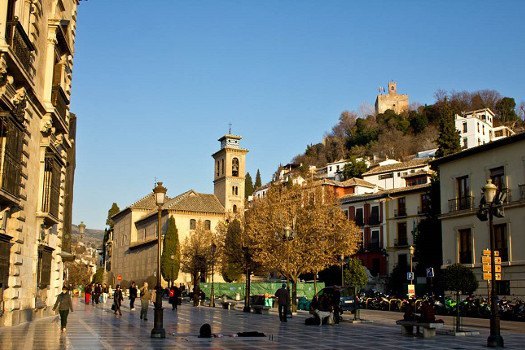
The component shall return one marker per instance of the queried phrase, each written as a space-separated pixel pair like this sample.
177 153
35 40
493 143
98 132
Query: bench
429 328
261 309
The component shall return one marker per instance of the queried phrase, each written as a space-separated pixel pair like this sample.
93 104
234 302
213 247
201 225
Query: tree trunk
294 295
315 282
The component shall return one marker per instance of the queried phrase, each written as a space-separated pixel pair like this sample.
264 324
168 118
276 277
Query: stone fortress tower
229 174
391 100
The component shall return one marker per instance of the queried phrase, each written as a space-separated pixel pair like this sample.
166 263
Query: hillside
92 238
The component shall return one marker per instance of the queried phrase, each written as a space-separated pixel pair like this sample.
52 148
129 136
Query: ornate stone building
37 153
391 100
133 246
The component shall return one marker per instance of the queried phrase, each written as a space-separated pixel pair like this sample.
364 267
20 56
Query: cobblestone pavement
97 328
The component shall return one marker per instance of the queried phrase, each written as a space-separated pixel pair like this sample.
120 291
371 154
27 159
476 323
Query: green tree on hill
248 186
505 110
354 168
448 140
112 211
258 182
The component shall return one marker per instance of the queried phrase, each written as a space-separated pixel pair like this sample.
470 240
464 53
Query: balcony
21 46
11 139
423 210
400 212
463 203
60 101
373 247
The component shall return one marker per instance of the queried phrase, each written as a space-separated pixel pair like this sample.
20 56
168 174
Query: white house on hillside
476 128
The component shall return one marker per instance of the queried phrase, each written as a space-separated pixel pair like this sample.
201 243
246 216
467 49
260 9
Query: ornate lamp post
172 257
212 293
81 229
158 328
411 251
247 260
489 191
289 235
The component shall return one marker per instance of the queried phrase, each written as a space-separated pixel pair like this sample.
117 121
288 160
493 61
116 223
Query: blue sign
430 272
410 276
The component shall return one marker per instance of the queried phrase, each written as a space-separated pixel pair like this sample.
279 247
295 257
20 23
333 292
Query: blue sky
156 83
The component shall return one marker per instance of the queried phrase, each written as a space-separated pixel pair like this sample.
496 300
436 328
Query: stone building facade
37 153
133 248
391 100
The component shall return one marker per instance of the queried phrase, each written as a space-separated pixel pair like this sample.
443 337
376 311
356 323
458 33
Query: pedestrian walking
97 293
145 297
174 297
117 300
132 296
336 302
64 305
105 292
87 294
284 301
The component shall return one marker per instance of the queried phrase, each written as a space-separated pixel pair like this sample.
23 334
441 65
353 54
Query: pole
411 272
495 339
247 291
158 327
212 293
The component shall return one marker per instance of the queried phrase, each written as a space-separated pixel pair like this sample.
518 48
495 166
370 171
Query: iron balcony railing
400 212
60 101
400 242
462 203
21 45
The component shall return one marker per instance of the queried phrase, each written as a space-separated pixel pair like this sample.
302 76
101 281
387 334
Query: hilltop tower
229 174
391 100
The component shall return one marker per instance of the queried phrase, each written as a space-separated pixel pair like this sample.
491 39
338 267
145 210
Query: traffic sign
430 272
487 276
411 290
410 276
487 268
486 252
497 260
486 259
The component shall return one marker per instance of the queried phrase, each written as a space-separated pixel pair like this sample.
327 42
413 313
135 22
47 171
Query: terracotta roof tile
398 166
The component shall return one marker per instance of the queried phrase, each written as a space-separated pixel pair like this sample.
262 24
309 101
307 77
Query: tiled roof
147 202
347 183
398 166
349 198
195 202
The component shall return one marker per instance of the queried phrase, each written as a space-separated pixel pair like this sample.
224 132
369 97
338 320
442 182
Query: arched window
235 167
218 169
234 208
207 225
193 224
233 190
236 190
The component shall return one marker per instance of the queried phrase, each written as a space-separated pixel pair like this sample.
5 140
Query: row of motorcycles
471 306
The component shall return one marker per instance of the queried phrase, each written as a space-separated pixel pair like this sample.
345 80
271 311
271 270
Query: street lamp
411 250
172 257
212 293
289 235
488 206
81 229
158 328
247 260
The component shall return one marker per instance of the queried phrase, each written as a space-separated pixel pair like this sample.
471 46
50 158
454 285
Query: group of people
96 293
426 312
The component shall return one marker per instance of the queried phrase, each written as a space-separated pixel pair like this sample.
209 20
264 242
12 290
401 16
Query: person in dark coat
64 305
132 295
174 297
284 301
97 293
87 294
117 300
336 302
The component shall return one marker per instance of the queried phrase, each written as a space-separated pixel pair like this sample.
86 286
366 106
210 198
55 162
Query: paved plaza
97 328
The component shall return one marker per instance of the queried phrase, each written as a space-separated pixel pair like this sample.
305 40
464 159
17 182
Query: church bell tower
229 174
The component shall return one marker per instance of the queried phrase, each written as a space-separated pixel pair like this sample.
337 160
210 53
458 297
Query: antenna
229 128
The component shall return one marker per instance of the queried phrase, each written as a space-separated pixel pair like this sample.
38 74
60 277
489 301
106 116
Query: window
207 225
234 208
401 207
44 267
464 127
4 263
359 216
11 144
500 238
465 246
503 287
193 224
483 127
402 234
51 190
376 265
463 192
478 127
217 171
374 240
465 142
374 215
386 176
235 167
222 166
497 176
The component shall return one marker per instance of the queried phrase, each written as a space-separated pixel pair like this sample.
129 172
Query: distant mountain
91 237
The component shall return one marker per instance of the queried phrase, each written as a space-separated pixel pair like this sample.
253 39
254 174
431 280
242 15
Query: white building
396 174
476 128
462 175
